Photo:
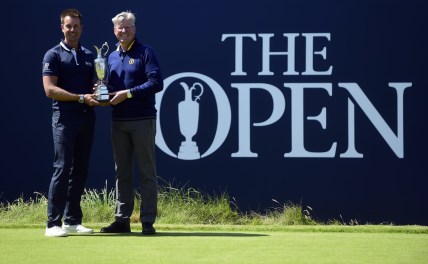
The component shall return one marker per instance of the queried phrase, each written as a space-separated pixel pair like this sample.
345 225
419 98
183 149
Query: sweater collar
119 48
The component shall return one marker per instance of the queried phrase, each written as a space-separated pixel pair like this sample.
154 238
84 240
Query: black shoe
148 229
117 227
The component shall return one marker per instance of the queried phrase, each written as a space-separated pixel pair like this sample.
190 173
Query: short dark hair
71 12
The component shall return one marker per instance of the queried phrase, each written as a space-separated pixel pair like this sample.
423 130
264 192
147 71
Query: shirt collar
67 48
73 51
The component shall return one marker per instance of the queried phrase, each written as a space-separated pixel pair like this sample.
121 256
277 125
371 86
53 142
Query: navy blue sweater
138 70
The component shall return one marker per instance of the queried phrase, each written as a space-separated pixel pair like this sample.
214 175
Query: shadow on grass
176 234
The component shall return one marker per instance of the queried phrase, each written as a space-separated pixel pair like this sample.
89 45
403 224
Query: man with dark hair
68 78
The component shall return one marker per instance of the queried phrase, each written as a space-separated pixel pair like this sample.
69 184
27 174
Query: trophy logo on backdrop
189 114
188 117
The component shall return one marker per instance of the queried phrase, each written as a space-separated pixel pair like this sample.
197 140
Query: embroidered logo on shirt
131 61
46 66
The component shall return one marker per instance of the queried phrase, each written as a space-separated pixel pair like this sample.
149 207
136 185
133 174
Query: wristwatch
81 98
129 94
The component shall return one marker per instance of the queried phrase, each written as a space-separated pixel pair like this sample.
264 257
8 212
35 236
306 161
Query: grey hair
126 15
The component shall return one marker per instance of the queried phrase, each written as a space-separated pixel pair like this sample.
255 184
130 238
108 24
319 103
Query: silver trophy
101 92
188 117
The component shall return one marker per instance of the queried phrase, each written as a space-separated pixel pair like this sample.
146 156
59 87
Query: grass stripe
410 229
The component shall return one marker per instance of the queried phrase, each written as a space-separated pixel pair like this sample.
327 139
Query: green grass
197 228
175 206
196 244
189 207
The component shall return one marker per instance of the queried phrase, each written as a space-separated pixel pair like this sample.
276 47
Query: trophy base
188 151
103 98
102 93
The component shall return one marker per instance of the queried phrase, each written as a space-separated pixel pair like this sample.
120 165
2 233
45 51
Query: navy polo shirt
75 71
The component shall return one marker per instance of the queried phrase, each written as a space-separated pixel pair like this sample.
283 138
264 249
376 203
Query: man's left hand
119 97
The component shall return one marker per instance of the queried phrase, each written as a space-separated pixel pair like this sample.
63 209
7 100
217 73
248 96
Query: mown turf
199 244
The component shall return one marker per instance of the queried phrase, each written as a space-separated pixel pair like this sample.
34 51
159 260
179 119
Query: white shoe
77 229
55 231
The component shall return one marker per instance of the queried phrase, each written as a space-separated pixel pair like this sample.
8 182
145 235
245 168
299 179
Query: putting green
169 246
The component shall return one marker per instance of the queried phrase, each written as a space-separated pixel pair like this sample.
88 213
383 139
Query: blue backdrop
313 102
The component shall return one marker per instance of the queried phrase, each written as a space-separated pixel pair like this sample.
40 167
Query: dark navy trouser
73 133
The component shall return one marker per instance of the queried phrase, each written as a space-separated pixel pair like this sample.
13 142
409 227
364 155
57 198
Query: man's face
72 30
124 32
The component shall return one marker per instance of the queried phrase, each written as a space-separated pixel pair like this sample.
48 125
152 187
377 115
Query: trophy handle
197 97
107 47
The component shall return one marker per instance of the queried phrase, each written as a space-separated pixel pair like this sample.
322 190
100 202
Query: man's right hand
90 100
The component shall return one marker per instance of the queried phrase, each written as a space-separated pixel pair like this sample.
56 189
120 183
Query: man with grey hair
134 77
